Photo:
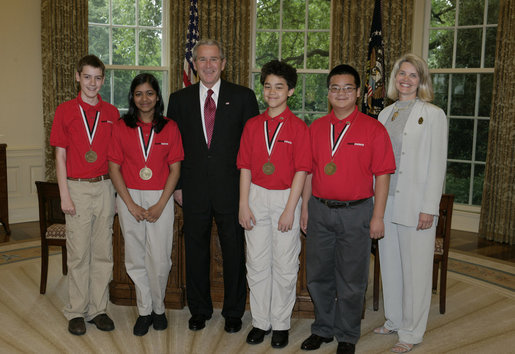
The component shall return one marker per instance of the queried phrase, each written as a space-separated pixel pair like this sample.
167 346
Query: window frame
165 48
301 72
469 206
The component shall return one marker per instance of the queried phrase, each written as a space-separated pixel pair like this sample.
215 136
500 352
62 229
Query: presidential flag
189 75
373 97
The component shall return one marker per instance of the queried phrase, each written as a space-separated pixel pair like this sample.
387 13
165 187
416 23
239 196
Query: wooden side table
4 207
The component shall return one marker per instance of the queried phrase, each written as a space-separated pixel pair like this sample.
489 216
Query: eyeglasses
346 90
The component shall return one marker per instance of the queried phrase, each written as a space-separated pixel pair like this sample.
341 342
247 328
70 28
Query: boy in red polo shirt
81 132
274 158
350 149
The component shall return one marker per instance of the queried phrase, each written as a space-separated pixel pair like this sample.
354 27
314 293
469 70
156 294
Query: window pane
493 11
485 95
471 12
457 181
150 47
98 38
293 49
443 13
295 101
318 14
294 14
150 13
491 34
440 48
463 94
318 51
258 90
268 13
316 93
267 47
468 51
460 139
124 46
477 188
105 91
124 12
482 139
121 86
309 118
98 11
441 90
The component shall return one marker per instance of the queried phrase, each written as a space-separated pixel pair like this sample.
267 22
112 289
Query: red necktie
209 115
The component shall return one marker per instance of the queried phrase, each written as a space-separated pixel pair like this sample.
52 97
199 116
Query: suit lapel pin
226 103
420 120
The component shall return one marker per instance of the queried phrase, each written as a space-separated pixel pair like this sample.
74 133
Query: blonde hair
425 86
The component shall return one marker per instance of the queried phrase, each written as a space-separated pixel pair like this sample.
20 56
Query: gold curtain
64 40
351 22
225 20
497 221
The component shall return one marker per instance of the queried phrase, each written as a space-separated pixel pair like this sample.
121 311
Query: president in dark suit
211 116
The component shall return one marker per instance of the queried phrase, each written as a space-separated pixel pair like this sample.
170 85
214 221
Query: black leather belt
340 204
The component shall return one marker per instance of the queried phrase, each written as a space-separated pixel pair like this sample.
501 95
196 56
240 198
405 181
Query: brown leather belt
90 180
340 204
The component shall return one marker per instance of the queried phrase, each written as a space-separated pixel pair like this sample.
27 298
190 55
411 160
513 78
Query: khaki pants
89 244
148 247
272 260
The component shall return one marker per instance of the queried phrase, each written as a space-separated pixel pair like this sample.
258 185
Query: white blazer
422 163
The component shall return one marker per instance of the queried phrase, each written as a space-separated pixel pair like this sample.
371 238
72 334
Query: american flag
189 75
373 97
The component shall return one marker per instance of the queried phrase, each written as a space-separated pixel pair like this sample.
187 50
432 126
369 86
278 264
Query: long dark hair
131 117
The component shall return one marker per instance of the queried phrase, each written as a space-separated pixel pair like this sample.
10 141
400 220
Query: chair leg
64 260
44 268
377 276
436 265
443 286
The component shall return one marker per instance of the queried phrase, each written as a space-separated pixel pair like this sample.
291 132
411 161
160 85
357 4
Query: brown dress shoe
77 326
103 322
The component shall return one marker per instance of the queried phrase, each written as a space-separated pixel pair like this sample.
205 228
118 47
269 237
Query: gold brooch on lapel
420 120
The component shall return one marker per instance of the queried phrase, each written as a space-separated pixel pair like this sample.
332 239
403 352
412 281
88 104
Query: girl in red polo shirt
144 165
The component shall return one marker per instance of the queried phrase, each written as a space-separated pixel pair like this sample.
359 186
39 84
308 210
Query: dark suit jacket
210 177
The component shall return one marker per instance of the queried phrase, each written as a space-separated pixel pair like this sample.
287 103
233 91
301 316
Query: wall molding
25 166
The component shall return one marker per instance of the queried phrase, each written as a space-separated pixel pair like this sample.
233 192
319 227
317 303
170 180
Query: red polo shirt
69 132
291 152
126 151
365 151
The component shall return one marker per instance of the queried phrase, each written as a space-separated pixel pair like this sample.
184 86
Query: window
460 52
297 32
128 36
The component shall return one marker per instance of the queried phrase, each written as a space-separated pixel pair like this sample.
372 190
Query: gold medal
330 168
420 120
91 156
268 168
145 173
395 114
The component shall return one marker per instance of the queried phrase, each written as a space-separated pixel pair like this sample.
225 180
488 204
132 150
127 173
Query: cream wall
21 122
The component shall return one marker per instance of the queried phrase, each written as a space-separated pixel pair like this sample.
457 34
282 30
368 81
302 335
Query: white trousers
272 260
148 247
406 257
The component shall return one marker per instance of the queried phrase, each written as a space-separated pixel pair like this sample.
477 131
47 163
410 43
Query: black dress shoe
159 322
345 348
314 342
77 326
279 339
142 325
197 322
256 335
103 322
232 324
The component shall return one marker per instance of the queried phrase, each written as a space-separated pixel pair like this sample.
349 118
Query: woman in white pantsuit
418 131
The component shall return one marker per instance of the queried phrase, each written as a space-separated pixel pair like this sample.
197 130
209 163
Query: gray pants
337 256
